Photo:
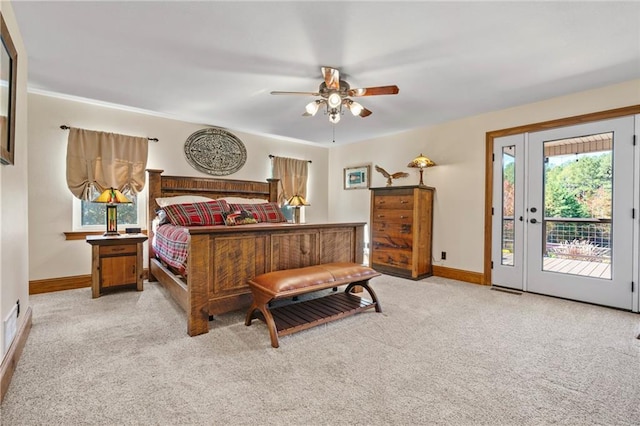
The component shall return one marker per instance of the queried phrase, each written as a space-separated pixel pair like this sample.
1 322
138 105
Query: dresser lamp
421 162
296 202
112 197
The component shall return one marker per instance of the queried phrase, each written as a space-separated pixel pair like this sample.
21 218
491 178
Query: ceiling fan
335 93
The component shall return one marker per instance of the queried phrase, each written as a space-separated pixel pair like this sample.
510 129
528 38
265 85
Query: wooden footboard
222 260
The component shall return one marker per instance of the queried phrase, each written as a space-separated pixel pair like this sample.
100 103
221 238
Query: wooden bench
290 283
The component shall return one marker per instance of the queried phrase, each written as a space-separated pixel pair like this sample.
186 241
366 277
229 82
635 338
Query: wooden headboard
169 186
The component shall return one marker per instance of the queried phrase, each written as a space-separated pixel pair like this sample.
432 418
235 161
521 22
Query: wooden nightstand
116 261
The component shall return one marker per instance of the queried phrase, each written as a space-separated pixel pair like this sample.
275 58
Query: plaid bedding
170 246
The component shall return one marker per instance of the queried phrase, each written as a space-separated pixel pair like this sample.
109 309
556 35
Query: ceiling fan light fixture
334 100
312 107
355 107
334 116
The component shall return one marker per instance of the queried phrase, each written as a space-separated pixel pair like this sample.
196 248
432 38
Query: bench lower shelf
310 313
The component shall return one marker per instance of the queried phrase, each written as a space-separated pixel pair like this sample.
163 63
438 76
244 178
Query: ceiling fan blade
365 113
331 77
373 91
296 93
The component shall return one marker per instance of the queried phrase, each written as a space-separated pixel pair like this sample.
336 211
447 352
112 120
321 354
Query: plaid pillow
197 214
263 212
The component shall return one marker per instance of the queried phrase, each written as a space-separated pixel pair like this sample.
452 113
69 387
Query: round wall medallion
215 151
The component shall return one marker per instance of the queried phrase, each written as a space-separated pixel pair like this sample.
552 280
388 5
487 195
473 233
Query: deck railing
586 239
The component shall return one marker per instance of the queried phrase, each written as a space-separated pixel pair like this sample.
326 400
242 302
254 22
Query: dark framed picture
357 177
8 76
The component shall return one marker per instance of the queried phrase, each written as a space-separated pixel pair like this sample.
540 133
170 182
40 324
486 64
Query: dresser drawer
404 202
118 249
395 258
393 216
392 230
390 242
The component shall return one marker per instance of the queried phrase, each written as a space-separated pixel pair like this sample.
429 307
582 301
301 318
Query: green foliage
580 188
509 173
95 213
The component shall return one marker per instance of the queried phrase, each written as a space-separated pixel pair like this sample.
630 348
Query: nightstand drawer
118 250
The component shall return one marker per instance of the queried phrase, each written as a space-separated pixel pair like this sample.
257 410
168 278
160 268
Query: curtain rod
272 156
65 127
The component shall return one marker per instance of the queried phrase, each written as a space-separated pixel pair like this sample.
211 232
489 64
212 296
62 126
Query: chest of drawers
401 230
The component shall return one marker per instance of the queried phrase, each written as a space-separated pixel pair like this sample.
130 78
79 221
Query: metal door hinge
492 264
634 140
632 286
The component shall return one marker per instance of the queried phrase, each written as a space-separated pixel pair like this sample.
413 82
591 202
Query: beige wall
50 254
14 256
458 148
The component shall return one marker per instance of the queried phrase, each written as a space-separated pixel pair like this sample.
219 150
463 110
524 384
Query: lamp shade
297 201
420 162
112 196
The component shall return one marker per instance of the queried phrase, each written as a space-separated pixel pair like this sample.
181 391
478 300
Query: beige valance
99 160
293 177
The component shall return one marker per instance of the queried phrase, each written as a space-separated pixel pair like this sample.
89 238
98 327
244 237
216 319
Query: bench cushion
291 282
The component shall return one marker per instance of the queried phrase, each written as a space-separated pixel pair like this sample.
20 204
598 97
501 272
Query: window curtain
293 177
98 160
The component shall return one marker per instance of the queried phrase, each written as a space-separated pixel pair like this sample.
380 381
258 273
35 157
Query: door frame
528 128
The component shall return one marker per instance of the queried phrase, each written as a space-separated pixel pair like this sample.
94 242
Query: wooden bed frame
223 259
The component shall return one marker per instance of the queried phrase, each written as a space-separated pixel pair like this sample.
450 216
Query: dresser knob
403 201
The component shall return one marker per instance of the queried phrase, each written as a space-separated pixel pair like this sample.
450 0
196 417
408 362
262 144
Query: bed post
273 189
154 191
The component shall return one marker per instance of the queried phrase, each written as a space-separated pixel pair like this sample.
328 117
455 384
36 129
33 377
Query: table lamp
296 202
112 197
420 162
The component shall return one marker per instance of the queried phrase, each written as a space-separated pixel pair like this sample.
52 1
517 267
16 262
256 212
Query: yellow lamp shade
297 201
112 196
421 162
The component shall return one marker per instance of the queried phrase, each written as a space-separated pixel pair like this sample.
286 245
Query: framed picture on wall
8 66
357 177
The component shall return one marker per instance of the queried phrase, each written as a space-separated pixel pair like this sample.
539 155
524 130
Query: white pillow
240 200
181 199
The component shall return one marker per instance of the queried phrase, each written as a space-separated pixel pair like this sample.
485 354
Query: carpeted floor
442 352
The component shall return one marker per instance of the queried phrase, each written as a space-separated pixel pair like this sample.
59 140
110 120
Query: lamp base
421 182
296 215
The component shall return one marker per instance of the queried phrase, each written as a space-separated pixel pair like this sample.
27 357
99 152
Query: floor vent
506 290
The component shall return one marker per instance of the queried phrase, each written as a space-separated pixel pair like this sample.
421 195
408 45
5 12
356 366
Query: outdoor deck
578 267
573 267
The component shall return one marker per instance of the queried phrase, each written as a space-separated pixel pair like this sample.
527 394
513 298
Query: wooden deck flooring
578 267
574 267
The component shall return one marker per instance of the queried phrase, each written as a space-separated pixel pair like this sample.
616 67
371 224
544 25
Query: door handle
534 220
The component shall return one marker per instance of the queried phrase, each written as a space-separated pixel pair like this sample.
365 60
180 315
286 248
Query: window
89 216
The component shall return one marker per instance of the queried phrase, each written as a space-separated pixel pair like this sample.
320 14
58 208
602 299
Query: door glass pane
508 203
578 183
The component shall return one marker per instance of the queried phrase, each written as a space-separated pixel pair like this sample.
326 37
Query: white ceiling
215 63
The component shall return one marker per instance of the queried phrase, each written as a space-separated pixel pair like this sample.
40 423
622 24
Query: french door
563 222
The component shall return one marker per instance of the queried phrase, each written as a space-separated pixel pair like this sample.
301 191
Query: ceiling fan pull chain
334 133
